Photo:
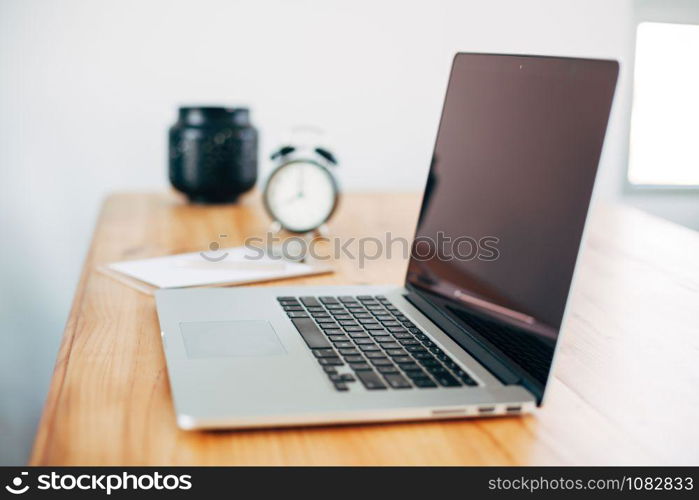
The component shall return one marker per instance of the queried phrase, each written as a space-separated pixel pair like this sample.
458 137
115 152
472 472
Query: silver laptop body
515 159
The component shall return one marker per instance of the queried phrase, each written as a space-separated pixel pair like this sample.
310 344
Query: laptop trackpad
221 339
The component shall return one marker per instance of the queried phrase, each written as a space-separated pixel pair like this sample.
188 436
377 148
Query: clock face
301 195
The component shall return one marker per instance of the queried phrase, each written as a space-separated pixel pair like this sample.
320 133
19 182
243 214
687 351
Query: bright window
664 149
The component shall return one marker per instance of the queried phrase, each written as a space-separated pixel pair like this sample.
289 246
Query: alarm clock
302 193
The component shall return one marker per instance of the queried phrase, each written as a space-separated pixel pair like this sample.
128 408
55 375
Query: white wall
88 89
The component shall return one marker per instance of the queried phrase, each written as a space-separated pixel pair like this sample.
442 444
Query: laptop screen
507 196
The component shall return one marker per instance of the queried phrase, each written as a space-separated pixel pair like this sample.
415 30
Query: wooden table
625 389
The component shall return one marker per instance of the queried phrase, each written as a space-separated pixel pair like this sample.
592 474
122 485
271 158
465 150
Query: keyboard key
390 345
329 369
413 371
403 359
294 314
358 367
430 363
409 342
396 352
341 386
293 308
347 298
422 355
348 352
369 347
329 300
370 380
381 362
438 368
348 377
324 353
387 369
358 358
382 339
311 333
447 380
375 354
364 341
327 320
338 338
465 377
332 331
310 301
343 344
424 383
353 328
358 335
416 349
408 366
329 326
291 304
385 339
331 361
280 299
397 381
397 329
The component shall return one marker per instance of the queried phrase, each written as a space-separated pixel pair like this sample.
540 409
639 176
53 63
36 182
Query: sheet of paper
225 266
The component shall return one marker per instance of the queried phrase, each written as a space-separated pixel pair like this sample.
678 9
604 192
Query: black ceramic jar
213 153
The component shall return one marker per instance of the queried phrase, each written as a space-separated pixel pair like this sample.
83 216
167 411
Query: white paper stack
226 266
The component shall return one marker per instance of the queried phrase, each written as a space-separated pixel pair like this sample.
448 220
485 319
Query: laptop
473 330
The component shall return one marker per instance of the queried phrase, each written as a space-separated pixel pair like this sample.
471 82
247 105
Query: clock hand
291 199
300 193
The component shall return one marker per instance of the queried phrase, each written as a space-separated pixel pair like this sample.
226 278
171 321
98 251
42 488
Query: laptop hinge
468 342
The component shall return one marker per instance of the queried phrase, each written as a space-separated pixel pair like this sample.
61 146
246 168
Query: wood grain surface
625 389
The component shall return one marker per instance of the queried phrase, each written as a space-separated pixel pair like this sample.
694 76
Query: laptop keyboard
380 345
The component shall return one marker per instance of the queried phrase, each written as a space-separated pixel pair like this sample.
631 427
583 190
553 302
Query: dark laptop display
517 152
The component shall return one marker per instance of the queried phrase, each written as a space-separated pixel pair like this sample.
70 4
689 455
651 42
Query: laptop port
513 409
486 409
448 412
